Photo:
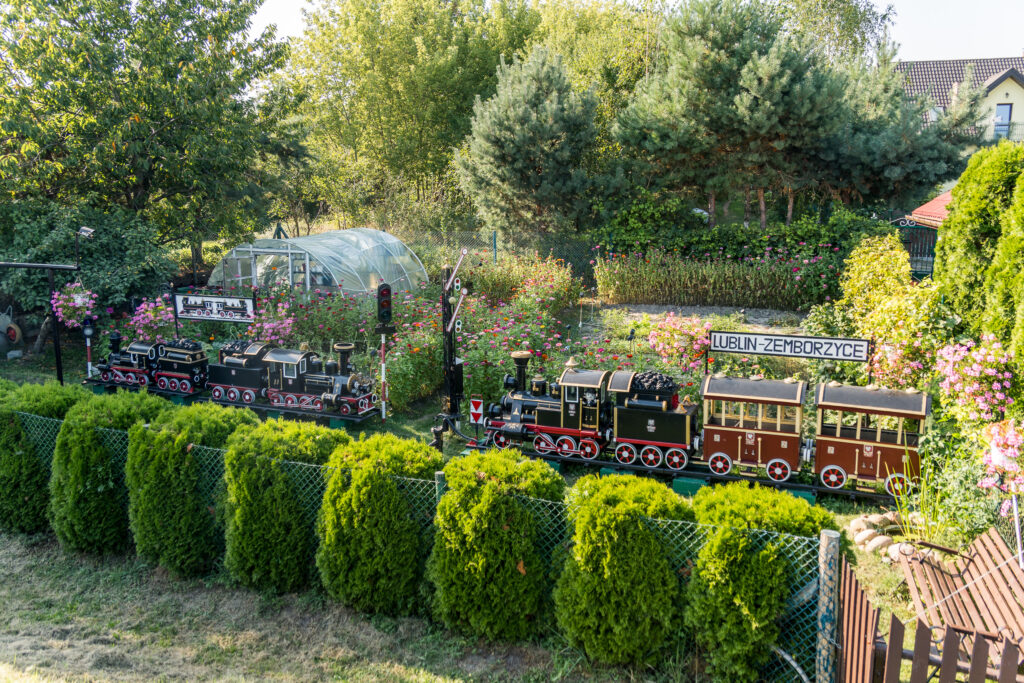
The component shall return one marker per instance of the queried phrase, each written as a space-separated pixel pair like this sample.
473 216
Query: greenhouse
350 261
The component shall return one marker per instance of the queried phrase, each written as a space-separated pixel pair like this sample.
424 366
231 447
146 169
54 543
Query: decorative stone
899 549
858 525
878 543
865 536
877 520
892 517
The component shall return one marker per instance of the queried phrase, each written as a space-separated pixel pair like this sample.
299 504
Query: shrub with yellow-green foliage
88 498
171 511
878 268
24 472
371 551
619 597
274 474
485 567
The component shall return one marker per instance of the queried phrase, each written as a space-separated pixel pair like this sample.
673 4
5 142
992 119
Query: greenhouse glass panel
350 261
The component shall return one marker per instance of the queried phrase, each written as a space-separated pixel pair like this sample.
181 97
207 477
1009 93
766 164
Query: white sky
925 29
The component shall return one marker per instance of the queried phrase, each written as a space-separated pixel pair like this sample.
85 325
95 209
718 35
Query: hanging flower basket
73 303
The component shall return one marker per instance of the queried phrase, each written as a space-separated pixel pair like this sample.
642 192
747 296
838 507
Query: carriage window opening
771 414
289 370
572 394
788 418
302 366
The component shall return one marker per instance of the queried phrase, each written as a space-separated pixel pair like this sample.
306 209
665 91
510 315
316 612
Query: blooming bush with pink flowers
274 321
73 303
153 320
976 379
681 341
1001 460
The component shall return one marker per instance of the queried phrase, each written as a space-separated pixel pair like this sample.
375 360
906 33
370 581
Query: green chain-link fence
684 540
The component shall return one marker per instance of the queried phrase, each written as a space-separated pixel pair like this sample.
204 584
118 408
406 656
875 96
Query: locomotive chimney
115 342
522 360
344 350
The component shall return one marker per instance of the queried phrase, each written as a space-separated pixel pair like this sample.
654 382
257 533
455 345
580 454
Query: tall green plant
88 498
171 501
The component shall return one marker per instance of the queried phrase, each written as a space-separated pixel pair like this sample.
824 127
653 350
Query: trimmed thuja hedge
23 472
487 572
171 510
372 547
619 597
269 539
88 498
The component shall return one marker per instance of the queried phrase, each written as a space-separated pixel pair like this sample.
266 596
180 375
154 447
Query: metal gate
919 241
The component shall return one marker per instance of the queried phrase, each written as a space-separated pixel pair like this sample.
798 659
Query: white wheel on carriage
778 470
720 463
833 476
897 484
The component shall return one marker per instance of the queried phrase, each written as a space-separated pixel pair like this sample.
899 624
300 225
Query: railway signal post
452 295
384 328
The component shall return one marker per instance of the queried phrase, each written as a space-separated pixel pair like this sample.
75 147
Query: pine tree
522 164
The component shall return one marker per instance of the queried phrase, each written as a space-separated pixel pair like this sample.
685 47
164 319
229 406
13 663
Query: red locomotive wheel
248 396
833 477
720 463
589 449
318 404
143 380
625 453
566 446
502 440
290 400
129 378
161 383
232 394
345 408
185 386
897 484
172 384
650 456
105 376
542 443
778 470
217 393
676 458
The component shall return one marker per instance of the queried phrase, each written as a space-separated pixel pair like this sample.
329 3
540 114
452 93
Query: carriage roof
754 390
583 378
290 356
856 399
620 381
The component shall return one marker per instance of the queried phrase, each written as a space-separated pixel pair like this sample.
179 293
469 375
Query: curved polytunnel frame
349 261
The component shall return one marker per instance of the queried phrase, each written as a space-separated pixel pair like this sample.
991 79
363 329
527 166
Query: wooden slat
950 647
979 661
950 587
859 629
927 602
999 581
1013 576
922 645
1008 667
984 601
894 653
944 604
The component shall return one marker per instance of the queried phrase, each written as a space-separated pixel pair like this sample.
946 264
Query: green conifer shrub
170 512
743 506
372 552
24 472
619 597
487 574
88 498
272 472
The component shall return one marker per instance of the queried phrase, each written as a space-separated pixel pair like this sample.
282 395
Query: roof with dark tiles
937 77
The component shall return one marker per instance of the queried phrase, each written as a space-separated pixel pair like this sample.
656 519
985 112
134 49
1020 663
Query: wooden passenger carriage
753 423
868 433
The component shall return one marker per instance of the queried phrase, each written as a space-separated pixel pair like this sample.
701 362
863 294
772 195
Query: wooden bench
981 593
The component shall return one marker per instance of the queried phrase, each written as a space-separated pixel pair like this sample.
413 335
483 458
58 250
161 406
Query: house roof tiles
937 77
934 212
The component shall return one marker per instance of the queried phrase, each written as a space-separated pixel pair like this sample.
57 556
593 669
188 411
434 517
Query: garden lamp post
49 268
88 330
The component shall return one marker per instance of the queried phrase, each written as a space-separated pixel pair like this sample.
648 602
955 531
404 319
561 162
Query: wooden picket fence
866 657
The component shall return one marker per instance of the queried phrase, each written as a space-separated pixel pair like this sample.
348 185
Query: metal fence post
440 486
828 606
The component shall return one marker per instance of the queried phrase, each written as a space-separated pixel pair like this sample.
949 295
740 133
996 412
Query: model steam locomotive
637 419
247 373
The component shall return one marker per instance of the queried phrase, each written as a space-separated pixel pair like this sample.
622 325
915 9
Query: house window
934 113
1002 120
289 370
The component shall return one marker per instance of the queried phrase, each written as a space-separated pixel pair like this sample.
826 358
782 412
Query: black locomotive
638 416
248 373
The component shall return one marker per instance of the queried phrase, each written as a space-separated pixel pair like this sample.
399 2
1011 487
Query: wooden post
828 606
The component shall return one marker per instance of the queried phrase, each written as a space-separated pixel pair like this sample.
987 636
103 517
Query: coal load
651 383
185 345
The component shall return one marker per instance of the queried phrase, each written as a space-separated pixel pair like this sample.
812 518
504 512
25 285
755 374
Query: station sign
235 309
818 348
